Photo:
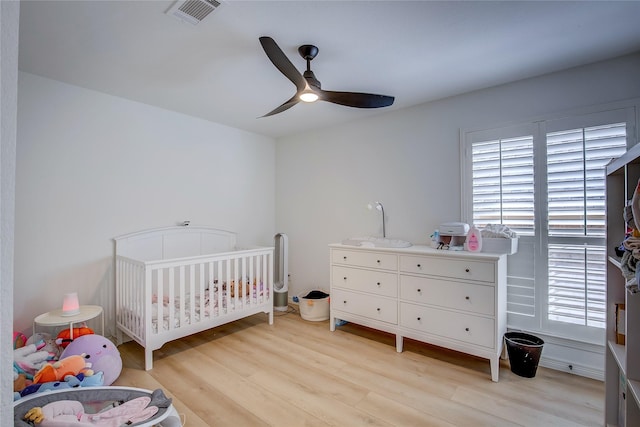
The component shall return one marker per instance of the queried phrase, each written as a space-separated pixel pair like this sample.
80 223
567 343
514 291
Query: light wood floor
297 373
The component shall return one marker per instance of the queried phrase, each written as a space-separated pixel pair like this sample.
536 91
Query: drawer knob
466 329
344 258
418 319
378 283
378 308
419 265
378 261
419 290
344 302
467 298
467 270
345 277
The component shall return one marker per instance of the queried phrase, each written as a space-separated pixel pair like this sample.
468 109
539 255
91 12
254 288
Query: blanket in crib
255 294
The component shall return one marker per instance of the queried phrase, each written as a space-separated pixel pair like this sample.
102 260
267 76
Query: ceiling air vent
192 11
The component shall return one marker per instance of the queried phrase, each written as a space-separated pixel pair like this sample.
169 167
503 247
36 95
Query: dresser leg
399 343
495 368
332 323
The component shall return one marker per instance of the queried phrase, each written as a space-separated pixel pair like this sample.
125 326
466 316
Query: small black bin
524 353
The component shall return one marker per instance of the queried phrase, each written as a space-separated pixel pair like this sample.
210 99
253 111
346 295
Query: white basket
314 310
500 245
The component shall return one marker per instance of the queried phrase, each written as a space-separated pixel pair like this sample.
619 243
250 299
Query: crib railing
156 297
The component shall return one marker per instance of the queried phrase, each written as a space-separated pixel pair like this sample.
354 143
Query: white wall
409 160
9 17
91 167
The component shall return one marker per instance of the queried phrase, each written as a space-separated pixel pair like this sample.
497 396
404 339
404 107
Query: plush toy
19 381
29 359
64 337
71 365
49 343
247 288
19 340
70 381
100 352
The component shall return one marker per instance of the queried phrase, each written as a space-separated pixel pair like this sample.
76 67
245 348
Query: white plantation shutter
546 181
577 284
502 174
576 213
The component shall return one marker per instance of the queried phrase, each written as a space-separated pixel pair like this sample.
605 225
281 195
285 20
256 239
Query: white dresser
451 299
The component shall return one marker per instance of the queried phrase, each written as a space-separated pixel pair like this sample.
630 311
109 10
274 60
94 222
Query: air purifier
281 273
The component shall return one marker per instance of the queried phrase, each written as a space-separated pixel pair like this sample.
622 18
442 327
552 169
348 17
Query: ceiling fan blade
285 106
356 99
282 63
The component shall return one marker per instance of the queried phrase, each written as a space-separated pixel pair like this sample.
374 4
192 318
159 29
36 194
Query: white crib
176 281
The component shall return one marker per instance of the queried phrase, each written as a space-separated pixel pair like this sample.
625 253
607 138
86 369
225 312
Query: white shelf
633 386
619 354
616 262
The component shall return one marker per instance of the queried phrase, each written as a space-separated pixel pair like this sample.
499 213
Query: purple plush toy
100 352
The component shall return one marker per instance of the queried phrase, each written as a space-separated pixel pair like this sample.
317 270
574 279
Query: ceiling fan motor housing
308 51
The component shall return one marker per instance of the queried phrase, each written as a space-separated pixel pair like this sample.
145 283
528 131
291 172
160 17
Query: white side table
55 318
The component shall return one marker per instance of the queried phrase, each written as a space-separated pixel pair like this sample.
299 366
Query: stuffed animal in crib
100 352
71 365
247 288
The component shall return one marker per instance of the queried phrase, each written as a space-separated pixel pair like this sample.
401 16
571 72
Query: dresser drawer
370 306
365 259
372 281
448 324
469 297
447 267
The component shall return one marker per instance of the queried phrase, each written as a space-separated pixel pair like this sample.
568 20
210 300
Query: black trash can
524 353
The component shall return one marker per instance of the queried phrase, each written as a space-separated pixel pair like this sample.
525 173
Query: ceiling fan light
308 96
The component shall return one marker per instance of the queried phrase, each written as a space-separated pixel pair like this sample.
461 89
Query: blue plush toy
70 381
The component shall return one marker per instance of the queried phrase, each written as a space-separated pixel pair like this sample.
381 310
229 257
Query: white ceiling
417 51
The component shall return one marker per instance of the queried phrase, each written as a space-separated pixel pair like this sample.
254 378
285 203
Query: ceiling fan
308 88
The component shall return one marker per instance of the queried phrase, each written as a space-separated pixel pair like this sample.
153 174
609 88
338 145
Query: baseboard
572 368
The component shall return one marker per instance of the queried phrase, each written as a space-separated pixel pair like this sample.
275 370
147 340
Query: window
545 180
576 221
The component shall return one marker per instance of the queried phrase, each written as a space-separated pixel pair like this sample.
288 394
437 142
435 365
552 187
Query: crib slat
160 300
181 301
228 293
191 290
243 280
202 292
172 297
144 326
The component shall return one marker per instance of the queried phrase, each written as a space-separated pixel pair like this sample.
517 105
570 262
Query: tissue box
500 245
